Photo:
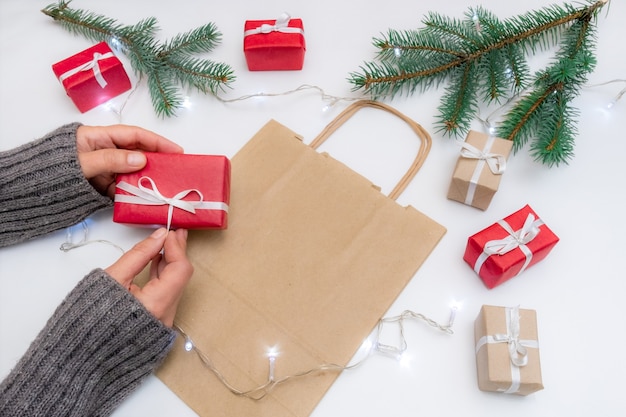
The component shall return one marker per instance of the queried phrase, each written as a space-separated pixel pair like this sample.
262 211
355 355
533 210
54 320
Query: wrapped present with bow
507 350
176 191
506 248
479 169
92 77
271 45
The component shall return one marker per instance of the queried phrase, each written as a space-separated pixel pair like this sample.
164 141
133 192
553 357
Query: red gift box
506 248
274 44
92 76
177 191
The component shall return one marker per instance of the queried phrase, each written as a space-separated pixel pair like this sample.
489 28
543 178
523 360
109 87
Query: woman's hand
169 272
104 151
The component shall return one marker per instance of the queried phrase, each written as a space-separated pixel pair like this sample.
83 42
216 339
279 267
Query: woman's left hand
105 151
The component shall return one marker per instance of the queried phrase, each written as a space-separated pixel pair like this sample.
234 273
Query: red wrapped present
271 45
506 248
177 191
92 77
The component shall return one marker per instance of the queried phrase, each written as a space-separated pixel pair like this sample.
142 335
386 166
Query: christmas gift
509 246
507 350
274 44
92 77
314 255
175 190
479 169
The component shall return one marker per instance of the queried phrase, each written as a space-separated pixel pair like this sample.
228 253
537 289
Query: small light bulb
476 23
272 352
397 52
272 367
188 345
115 43
186 103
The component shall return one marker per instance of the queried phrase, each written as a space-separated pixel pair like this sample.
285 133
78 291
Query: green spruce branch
167 66
483 59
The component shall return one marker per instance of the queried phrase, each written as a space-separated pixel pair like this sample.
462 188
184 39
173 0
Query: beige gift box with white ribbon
479 169
507 350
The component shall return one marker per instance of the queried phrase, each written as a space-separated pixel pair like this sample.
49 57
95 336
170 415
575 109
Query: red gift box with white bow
272 45
177 191
508 247
92 77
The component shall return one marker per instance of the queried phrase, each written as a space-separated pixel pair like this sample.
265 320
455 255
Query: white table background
578 290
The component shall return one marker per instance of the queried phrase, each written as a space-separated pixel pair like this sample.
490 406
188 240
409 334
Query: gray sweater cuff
43 189
96 348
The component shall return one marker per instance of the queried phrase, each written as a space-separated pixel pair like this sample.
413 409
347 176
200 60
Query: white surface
578 291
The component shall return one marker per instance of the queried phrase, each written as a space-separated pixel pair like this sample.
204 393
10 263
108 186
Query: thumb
110 161
135 260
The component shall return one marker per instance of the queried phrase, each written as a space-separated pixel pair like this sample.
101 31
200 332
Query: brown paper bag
313 257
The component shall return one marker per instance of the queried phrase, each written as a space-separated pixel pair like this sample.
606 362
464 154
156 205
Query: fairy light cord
118 111
69 243
491 128
261 391
303 87
618 96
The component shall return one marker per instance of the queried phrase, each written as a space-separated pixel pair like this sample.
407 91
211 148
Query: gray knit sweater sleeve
42 188
101 342
96 348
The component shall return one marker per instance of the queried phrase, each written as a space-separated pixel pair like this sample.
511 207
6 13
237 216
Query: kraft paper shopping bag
313 257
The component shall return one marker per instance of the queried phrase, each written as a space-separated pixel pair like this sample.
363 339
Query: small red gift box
271 45
506 248
177 191
92 77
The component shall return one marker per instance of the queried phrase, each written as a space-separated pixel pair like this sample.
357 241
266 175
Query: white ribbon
518 354
145 196
281 25
94 65
515 239
496 163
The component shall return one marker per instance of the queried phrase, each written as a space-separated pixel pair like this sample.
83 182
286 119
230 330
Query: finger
136 259
176 246
127 137
154 266
176 269
110 161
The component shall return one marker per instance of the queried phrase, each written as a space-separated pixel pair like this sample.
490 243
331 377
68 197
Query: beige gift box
507 350
479 169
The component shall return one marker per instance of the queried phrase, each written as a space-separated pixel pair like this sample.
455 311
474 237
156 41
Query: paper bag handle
422 153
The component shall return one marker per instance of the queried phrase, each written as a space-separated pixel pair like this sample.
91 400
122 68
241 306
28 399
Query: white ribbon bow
496 162
142 195
518 354
93 65
515 239
281 25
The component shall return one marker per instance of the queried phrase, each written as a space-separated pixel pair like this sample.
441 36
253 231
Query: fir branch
459 102
166 66
491 56
202 39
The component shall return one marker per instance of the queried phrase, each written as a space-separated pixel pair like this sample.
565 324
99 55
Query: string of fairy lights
370 346
373 344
